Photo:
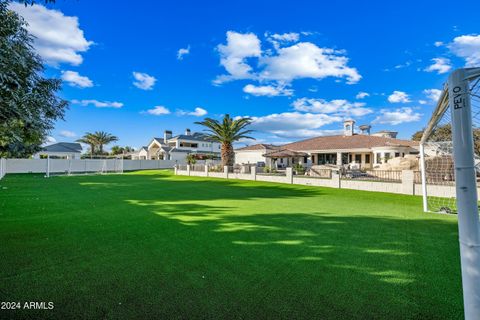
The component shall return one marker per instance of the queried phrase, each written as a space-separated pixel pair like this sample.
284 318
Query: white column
407 182
289 174
339 158
188 169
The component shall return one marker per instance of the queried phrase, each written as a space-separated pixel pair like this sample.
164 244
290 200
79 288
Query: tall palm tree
227 132
89 138
102 138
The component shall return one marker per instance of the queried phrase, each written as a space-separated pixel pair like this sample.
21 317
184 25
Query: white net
438 163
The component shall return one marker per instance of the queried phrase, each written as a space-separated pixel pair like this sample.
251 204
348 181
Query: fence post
225 171
253 172
289 174
408 186
336 179
175 169
188 169
206 169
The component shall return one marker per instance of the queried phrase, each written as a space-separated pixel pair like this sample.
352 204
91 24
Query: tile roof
63 147
358 141
258 146
285 153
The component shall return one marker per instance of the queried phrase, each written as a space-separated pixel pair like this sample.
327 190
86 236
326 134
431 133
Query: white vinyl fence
3 168
81 165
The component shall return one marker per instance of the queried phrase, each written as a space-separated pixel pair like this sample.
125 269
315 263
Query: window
379 157
305 159
281 160
358 158
367 158
397 154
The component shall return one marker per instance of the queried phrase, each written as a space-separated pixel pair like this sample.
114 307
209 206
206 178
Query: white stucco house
363 149
178 147
60 150
254 154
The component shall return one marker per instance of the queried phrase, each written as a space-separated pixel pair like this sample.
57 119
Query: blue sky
299 68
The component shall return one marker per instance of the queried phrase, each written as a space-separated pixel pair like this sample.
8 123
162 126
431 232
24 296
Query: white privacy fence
81 165
3 168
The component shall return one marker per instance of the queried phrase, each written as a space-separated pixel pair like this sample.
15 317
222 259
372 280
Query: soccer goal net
437 148
450 168
56 167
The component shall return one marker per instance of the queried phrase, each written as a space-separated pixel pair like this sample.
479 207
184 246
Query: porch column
339 158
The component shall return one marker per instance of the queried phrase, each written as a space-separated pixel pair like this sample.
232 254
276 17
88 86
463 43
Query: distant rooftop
63 147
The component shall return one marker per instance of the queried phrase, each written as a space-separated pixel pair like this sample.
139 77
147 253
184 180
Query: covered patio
281 159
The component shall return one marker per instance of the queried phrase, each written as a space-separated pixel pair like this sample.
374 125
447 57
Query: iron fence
373 175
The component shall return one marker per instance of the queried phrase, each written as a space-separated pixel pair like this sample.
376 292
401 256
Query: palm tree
102 138
89 138
227 132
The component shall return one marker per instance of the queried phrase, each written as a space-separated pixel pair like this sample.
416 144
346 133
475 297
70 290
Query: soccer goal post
450 148
63 167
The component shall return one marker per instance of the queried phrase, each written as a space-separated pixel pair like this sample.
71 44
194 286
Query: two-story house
178 147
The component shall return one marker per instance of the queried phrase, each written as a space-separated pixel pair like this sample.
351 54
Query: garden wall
405 185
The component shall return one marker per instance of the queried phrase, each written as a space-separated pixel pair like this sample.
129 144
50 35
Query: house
253 154
364 150
140 154
61 150
178 147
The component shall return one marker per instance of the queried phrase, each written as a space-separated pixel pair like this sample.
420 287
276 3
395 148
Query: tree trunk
227 154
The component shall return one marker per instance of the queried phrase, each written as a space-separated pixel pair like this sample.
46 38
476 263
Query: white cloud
99 104
397 116
306 60
439 65
144 81
233 55
285 37
282 65
158 111
398 96
58 38
432 94
468 48
339 107
438 43
198 112
68 134
422 102
362 95
182 52
49 140
293 124
74 79
268 90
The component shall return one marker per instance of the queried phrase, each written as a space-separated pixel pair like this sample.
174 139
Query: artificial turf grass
150 244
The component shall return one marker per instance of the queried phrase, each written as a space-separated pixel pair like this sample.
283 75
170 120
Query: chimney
167 134
348 127
365 129
187 132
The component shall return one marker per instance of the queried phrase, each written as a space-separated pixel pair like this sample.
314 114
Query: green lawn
153 245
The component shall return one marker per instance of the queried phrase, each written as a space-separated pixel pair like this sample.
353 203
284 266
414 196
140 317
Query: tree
29 106
120 150
227 132
102 138
444 133
89 138
191 159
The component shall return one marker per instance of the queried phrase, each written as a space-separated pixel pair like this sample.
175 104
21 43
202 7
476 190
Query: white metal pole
48 166
424 177
466 190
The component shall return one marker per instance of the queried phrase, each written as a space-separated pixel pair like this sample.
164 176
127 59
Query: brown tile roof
358 141
258 146
285 153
